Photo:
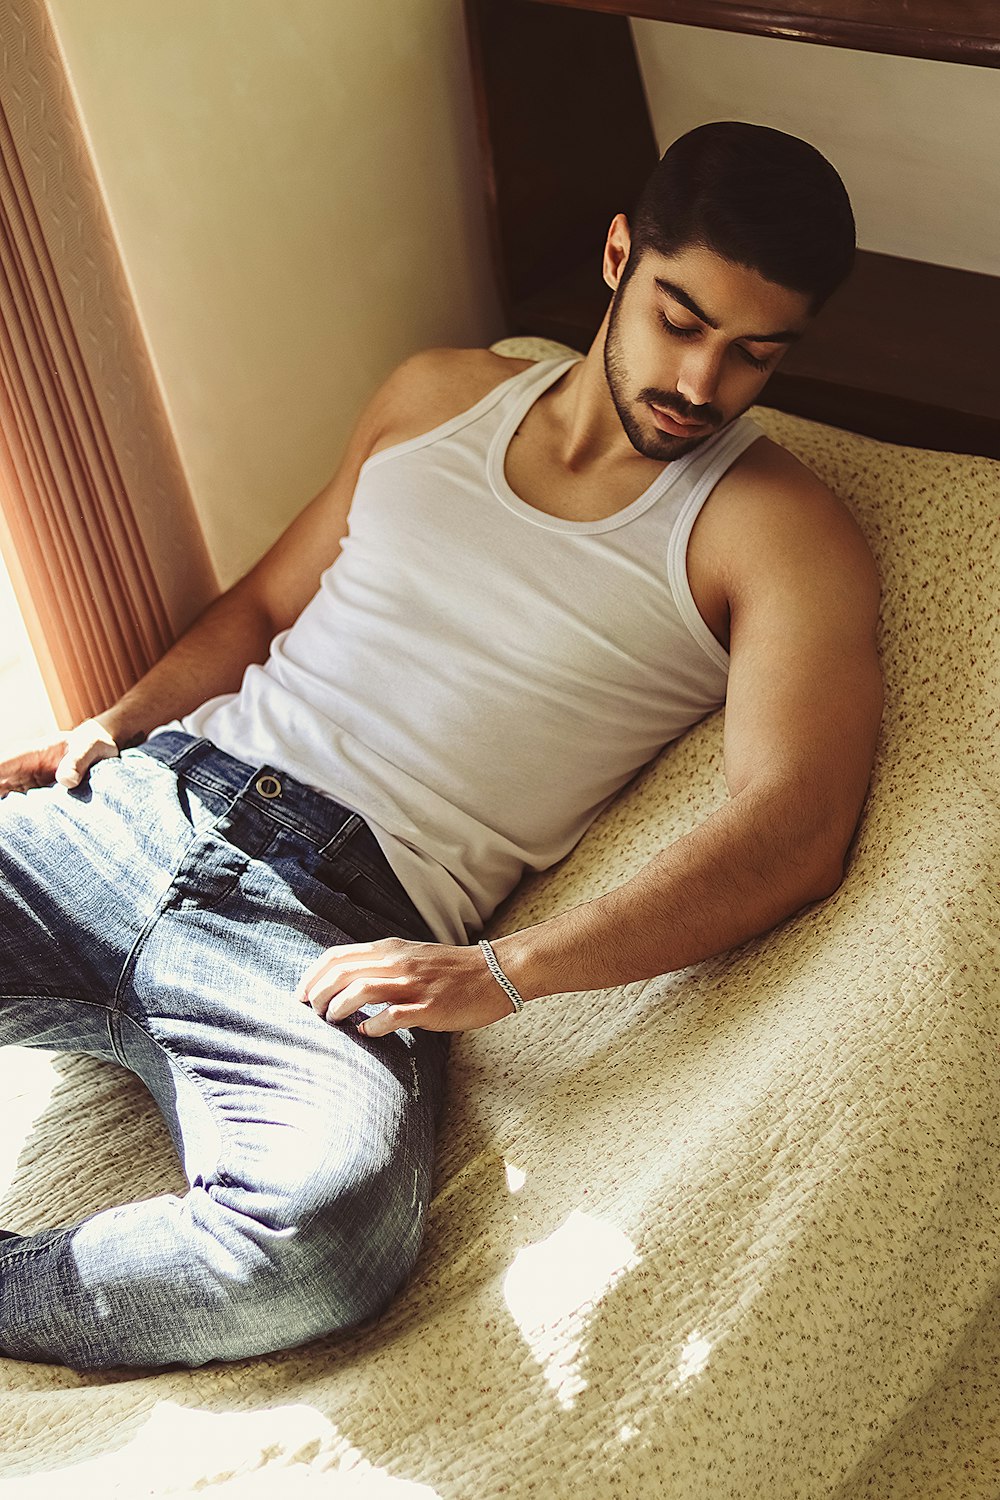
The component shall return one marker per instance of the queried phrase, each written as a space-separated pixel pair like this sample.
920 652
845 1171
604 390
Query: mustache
674 402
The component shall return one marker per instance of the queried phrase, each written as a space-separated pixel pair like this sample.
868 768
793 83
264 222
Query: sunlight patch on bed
694 1357
515 1177
246 1455
28 1078
553 1288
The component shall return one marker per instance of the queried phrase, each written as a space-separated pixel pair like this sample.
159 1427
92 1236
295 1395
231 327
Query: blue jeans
160 917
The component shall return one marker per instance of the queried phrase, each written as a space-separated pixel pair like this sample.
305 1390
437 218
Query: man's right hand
63 757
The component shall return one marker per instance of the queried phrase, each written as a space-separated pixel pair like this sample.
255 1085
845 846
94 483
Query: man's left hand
429 985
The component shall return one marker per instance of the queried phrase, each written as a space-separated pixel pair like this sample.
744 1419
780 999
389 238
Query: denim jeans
160 917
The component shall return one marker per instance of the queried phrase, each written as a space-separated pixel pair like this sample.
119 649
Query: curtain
85 447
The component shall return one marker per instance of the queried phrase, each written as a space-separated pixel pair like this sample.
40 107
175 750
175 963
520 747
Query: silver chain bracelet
509 989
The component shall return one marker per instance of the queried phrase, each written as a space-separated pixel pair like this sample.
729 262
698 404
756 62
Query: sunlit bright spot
515 1177
627 1433
285 1450
694 1356
27 1078
552 1289
27 710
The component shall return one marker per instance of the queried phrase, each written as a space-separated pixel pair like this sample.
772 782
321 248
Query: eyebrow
785 336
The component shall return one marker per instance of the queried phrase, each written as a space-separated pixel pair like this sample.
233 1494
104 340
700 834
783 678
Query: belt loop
350 825
187 755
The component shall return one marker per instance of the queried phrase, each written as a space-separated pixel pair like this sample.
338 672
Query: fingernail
361 1028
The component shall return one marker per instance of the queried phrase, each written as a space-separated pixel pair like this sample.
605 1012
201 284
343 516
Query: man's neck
586 430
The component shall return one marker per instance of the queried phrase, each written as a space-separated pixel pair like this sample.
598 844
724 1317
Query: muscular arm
802 714
235 630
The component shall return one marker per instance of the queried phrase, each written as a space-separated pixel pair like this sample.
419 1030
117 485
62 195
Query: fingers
351 975
31 766
433 986
342 954
85 746
65 759
386 1021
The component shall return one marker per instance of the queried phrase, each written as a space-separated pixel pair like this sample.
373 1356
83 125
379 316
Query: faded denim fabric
160 917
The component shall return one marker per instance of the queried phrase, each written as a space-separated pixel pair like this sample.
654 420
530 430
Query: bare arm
803 708
237 629
214 652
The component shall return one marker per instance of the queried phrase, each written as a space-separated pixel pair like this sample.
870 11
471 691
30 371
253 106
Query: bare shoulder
773 528
435 385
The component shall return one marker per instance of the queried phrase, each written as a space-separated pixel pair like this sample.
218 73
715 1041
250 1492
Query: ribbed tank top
475 677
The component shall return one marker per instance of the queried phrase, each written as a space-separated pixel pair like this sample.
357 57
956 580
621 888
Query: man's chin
664 448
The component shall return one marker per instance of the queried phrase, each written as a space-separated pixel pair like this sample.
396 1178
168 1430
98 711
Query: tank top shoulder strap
524 386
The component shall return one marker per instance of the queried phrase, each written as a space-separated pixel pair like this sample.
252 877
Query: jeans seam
128 965
162 907
161 1046
231 884
6 1256
48 995
200 1088
105 1005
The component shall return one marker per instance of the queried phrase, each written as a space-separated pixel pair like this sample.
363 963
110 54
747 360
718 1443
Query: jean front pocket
210 870
386 902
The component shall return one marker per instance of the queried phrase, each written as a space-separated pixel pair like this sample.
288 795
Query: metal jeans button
268 786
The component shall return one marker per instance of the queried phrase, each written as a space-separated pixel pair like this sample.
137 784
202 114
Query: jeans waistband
335 830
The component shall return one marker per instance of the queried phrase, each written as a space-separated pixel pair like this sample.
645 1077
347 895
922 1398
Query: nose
698 378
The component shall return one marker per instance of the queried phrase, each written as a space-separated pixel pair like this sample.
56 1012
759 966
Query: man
540 575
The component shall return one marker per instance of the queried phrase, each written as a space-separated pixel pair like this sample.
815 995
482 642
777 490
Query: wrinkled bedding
729 1233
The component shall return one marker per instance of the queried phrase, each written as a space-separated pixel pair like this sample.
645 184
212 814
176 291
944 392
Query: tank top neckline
536 381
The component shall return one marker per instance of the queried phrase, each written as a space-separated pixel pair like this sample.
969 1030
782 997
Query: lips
675 426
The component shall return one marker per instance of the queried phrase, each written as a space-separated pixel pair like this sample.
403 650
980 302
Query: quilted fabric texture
729 1233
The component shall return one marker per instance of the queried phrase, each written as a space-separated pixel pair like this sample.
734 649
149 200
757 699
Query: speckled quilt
730 1233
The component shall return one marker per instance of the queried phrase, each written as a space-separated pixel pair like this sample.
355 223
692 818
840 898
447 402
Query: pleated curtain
84 443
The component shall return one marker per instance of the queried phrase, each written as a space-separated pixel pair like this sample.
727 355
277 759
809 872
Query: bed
733 1232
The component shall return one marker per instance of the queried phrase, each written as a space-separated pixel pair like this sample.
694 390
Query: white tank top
477 678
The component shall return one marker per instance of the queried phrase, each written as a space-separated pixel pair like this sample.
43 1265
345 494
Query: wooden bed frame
549 75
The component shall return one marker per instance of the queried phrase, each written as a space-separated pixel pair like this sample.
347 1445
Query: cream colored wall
915 141
295 192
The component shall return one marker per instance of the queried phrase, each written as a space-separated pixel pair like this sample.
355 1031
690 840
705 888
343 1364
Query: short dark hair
757 197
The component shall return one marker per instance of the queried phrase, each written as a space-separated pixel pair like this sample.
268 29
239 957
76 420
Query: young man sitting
522 582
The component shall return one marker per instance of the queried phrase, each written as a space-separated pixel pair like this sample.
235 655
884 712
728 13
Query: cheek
657 364
741 385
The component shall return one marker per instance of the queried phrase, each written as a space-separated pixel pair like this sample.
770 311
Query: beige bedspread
731 1233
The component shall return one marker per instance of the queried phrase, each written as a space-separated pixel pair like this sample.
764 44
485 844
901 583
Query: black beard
662 447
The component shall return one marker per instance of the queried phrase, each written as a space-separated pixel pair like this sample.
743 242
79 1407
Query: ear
616 250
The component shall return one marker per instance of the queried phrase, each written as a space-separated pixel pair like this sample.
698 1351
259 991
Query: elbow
825 882
822 870
823 835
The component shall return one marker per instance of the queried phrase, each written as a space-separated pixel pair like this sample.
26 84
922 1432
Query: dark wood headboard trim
943 30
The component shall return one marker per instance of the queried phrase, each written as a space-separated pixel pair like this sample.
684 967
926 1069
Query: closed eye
676 330
751 359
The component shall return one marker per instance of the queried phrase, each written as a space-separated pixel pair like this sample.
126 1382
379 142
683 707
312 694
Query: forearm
209 658
755 861
747 867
